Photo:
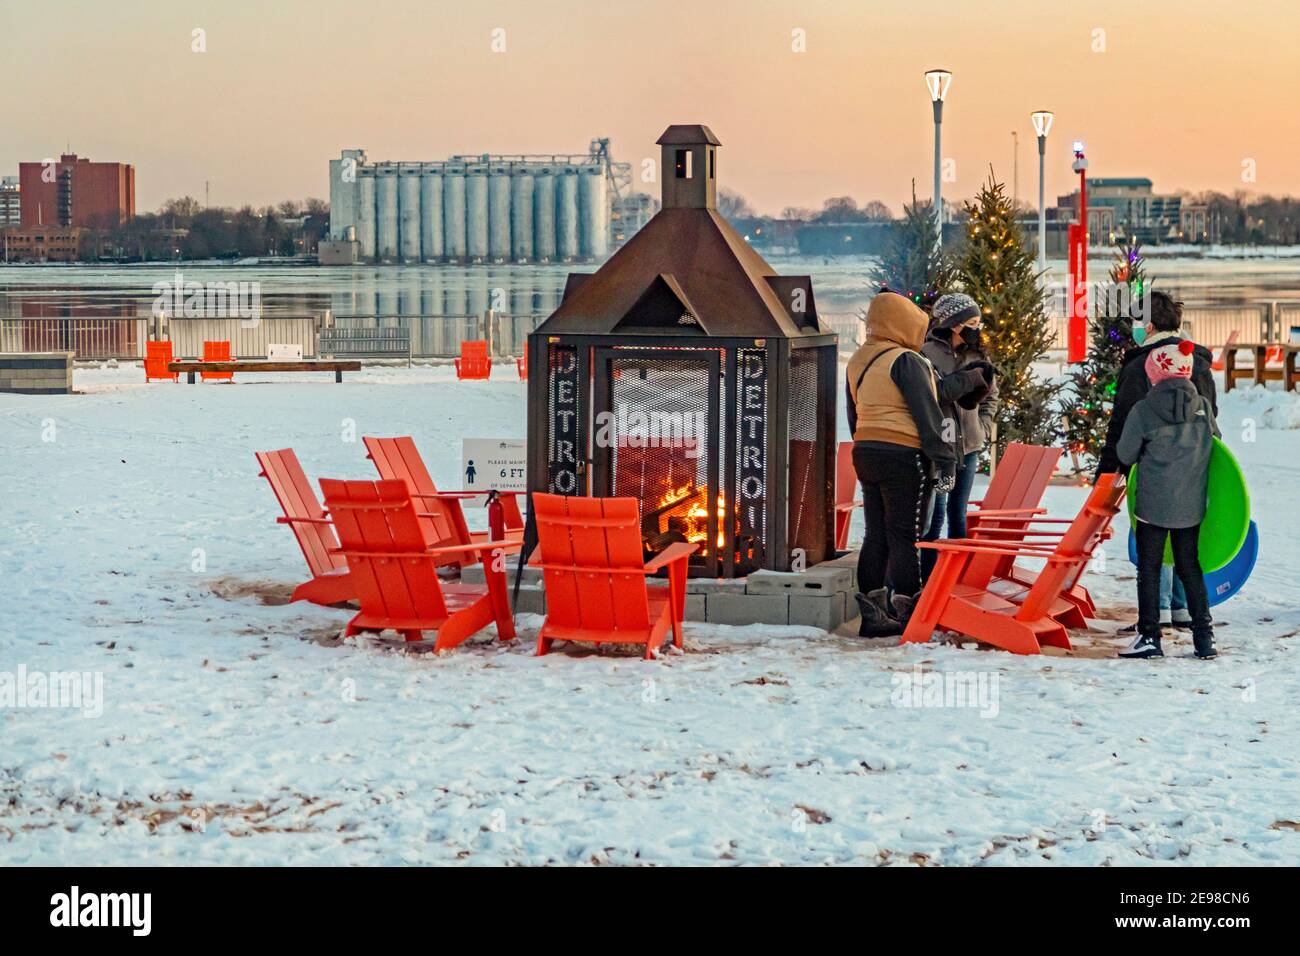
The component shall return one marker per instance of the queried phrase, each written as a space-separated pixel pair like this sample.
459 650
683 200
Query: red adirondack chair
157 356
595 575
441 514
474 361
948 602
396 570
846 489
1221 360
216 352
1010 500
521 363
330 582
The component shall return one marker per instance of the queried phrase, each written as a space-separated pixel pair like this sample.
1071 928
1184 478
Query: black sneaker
876 619
1144 646
1204 644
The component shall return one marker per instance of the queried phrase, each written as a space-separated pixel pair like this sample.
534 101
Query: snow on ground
139 544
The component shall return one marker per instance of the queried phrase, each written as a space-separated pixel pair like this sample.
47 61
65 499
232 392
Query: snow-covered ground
139 544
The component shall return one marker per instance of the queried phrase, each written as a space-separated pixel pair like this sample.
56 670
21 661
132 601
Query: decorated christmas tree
997 269
1091 390
915 264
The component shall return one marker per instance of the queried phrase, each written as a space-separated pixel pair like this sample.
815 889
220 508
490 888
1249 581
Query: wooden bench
1261 371
337 366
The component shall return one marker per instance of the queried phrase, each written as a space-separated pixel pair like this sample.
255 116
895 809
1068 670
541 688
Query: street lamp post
938 81
1042 126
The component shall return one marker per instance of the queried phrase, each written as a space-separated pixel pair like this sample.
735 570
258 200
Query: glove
981 375
984 368
947 479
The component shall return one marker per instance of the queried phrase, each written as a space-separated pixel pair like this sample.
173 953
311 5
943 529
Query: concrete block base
36 373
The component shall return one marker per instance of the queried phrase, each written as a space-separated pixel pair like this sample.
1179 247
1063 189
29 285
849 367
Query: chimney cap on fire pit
687 272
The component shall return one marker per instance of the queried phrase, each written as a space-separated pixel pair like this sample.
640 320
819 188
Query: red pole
1077 337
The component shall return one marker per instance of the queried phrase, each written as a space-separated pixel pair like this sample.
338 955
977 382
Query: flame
696 517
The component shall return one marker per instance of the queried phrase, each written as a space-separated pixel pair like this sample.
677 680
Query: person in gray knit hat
953 343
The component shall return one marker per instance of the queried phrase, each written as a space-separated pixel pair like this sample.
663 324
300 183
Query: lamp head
1042 121
938 81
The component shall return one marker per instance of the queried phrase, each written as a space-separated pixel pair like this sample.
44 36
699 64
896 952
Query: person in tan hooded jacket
900 453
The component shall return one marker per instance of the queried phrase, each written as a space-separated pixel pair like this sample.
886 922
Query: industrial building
76 192
484 208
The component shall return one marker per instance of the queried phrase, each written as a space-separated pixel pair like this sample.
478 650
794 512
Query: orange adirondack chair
474 361
216 352
442 518
330 582
1010 500
1221 360
521 363
594 572
157 355
846 489
396 571
949 603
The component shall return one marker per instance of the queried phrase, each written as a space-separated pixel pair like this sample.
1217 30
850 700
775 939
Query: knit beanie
1170 361
951 310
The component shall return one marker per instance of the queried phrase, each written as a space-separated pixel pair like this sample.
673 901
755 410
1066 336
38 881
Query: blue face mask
1139 334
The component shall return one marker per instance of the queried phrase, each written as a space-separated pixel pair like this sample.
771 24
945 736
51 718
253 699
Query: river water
840 285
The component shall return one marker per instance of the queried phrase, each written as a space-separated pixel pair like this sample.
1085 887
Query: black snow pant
897 495
1187 565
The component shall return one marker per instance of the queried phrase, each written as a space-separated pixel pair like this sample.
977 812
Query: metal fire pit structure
686 373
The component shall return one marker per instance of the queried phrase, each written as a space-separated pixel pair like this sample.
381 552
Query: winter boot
877 621
1144 646
904 606
1203 640
1181 618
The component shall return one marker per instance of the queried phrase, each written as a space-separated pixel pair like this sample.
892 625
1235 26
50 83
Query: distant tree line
1243 219
184 229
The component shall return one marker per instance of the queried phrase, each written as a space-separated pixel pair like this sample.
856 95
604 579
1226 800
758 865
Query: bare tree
734 206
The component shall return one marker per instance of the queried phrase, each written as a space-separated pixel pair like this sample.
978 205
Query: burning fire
696 517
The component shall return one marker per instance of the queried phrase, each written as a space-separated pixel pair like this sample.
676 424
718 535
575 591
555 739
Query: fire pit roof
687 272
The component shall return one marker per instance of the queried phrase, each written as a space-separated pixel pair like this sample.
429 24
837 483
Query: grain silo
431 212
521 214
566 214
365 212
544 215
386 216
483 207
408 210
453 212
593 209
476 212
499 213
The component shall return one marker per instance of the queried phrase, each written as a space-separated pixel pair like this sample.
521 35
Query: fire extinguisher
496 514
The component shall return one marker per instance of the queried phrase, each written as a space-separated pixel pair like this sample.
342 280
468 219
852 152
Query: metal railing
87 338
440 336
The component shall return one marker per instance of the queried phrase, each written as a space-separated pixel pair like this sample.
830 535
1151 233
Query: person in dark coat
1170 435
1164 325
954 342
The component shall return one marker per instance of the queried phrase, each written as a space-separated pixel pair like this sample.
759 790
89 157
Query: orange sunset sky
1183 92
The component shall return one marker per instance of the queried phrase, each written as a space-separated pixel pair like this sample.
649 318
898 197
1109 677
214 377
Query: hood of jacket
1172 400
895 318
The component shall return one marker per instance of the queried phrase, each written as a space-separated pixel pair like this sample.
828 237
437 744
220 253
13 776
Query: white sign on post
493 464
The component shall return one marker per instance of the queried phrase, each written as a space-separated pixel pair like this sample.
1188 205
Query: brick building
41 244
76 192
